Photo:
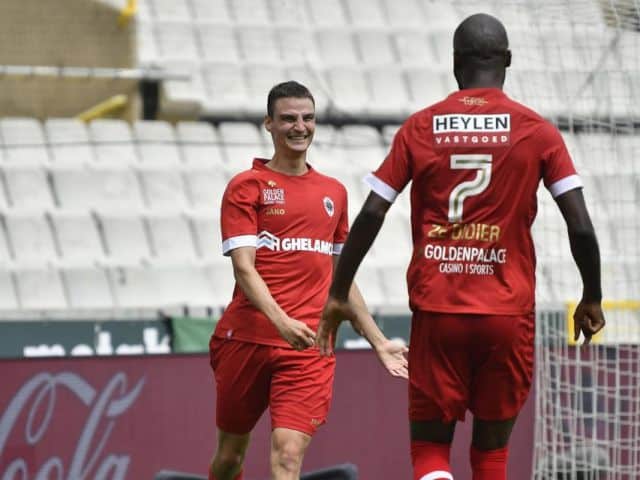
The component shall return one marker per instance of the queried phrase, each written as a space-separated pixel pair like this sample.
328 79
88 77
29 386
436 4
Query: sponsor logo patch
328 206
461 129
271 196
275 244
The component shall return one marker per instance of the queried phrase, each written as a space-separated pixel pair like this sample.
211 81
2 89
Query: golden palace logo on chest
272 194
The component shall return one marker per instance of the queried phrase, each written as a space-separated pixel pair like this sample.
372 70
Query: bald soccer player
475 160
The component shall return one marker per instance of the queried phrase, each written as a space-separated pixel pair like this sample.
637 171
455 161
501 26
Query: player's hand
335 311
391 354
588 319
296 333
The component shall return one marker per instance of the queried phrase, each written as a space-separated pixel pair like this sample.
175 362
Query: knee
227 460
288 454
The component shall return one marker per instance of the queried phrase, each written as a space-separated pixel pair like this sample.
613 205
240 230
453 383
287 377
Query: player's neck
480 79
289 164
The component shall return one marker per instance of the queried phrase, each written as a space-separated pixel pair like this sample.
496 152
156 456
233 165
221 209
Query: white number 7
481 162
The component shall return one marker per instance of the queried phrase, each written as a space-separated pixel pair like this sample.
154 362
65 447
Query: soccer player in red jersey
475 161
283 225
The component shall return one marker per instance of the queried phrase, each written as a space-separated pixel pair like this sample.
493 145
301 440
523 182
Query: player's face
293 124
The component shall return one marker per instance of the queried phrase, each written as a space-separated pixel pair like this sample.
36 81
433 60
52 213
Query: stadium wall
130 417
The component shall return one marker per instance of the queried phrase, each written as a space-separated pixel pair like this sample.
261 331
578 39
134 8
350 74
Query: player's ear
507 59
267 123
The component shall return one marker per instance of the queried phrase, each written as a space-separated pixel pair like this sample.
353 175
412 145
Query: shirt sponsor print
286 244
461 129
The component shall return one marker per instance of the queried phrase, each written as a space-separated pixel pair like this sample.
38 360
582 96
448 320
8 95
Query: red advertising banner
129 417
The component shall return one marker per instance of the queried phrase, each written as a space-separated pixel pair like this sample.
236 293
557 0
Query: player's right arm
296 333
588 317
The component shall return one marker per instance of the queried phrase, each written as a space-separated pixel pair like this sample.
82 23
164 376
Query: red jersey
475 161
296 223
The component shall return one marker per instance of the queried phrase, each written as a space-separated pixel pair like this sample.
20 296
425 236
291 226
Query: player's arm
389 352
363 233
588 317
295 332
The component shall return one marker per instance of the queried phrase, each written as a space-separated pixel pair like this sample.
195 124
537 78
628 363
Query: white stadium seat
156 143
350 91
27 186
169 9
260 80
389 92
8 298
176 41
206 226
88 287
200 144
289 13
170 236
68 140
30 236
77 237
415 48
125 237
426 87
250 12
366 13
376 48
407 13
297 47
337 47
23 140
328 13
112 141
258 44
205 186
369 281
210 10
162 187
40 288
219 271
226 88
218 43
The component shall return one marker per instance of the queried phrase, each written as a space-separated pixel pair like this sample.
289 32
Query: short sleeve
342 229
239 215
558 172
395 171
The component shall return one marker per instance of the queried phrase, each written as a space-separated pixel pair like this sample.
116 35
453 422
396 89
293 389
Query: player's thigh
504 371
439 368
242 374
301 389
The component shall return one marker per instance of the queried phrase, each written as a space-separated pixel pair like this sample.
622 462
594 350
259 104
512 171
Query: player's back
475 161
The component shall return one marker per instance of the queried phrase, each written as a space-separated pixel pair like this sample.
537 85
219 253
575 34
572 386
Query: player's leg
501 385
438 378
287 451
229 457
301 389
242 394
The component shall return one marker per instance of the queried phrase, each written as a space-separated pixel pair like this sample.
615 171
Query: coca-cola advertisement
118 417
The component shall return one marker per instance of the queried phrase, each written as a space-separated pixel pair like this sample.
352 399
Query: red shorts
483 363
296 386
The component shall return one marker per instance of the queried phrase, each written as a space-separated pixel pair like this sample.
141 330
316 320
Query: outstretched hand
335 311
588 319
391 354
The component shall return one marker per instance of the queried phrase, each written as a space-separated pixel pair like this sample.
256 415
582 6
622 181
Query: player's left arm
588 317
391 353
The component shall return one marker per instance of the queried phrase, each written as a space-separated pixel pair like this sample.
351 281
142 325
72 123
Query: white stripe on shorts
437 475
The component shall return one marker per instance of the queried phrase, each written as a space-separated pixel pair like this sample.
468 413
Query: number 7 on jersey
480 162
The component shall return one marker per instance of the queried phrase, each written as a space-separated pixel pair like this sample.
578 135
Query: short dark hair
287 89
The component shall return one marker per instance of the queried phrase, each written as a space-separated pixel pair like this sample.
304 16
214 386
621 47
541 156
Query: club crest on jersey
328 206
471 130
272 195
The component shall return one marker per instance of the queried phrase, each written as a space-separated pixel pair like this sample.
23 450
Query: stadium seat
288 13
211 11
297 47
206 227
226 89
336 47
363 148
219 271
200 144
251 12
258 44
162 187
415 48
23 140
369 281
441 15
77 237
8 298
27 186
241 143
97 186
183 96
350 91
88 287
68 140
125 238
147 50
156 143
170 236
5 251
169 9
176 41
389 93
328 13
366 13
218 43
376 48
393 244
30 236
112 141
260 80
426 86
40 288
205 186
410 15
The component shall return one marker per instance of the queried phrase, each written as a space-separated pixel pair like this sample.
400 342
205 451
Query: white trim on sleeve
381 188
337 248
564 185
237 242
437 475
